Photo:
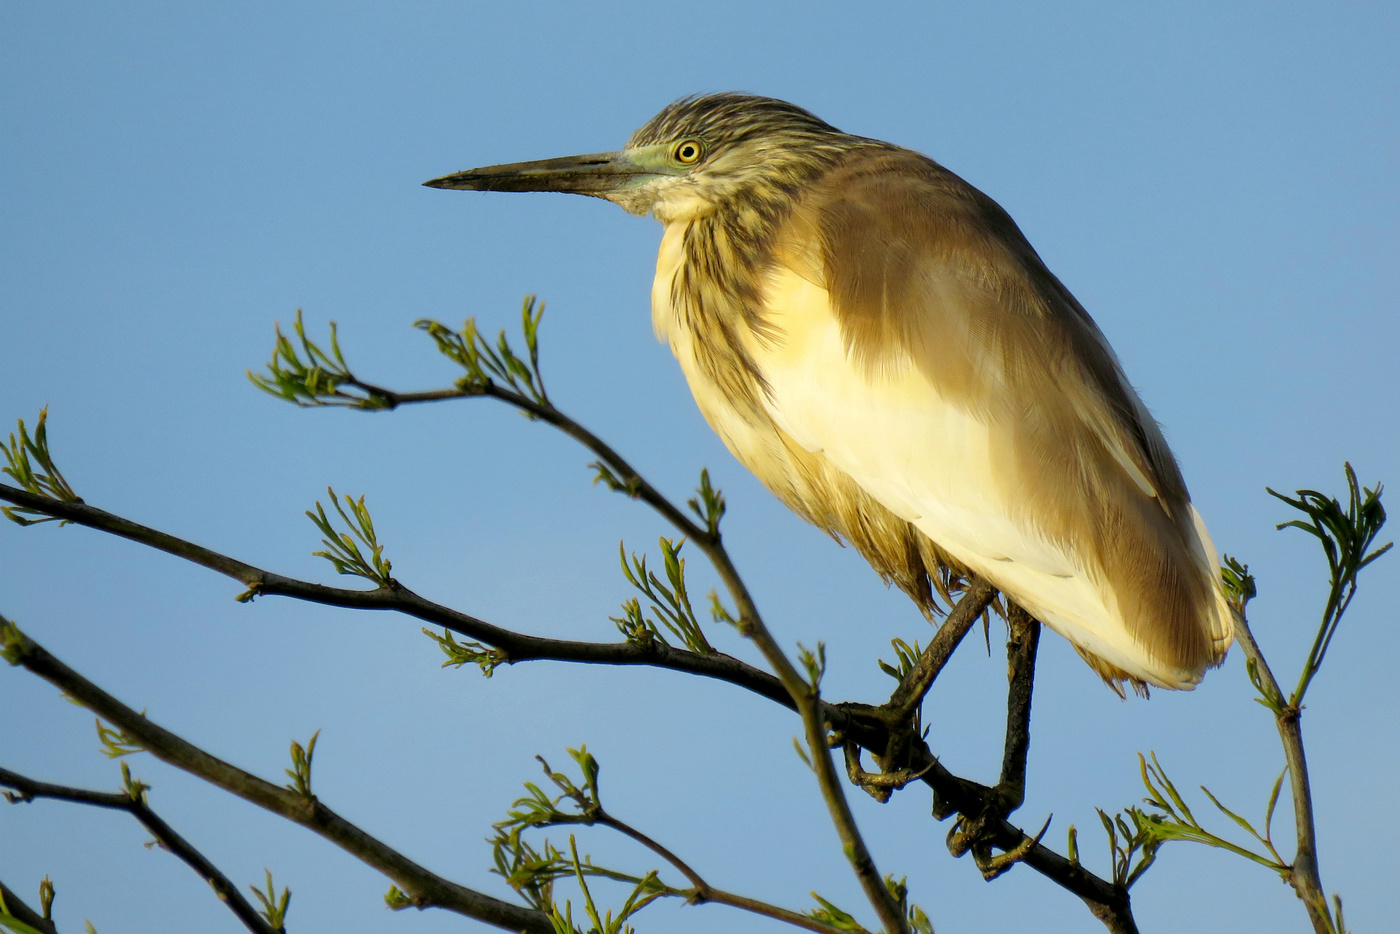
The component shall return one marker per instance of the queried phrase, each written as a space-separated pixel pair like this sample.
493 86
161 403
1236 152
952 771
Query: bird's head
697 154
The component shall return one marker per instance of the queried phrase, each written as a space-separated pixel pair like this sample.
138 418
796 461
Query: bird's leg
972 836
898 718
1021 645
973 833
904 703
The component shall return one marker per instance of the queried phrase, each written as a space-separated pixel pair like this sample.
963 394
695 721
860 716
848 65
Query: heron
876 341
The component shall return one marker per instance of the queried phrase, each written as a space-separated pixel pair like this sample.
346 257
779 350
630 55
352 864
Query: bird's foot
879 785
978 835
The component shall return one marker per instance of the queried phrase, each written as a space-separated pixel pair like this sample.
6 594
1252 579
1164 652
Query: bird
876 340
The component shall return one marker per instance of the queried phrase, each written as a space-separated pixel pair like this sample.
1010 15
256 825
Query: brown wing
923 269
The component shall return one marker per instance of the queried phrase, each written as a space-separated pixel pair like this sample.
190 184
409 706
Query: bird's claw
975 836
879 785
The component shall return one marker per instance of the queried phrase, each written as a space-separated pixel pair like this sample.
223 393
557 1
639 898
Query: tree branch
28 789
952 793
702 888
296 383
424 888
636 485
394 596
517 647
795 918
1305 876
702 891
808 701
750 623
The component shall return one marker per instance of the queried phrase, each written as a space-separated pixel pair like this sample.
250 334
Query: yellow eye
688 152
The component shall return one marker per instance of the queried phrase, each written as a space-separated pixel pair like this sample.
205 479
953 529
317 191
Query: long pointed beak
595 174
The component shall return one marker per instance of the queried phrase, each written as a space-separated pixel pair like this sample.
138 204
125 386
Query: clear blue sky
1217 182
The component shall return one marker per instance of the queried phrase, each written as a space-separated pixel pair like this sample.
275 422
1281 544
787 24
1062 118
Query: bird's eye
687 152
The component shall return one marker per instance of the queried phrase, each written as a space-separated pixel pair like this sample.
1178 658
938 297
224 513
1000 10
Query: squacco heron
879 344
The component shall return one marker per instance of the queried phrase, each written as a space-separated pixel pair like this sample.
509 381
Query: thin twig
28 789
516 646
702 887
1305 877
425 889
637 486
809 706
797 919
702 891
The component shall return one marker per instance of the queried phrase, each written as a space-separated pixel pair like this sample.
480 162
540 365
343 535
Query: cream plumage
875 339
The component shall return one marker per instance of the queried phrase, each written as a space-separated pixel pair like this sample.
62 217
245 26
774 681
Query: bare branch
133 801
1305 876
532 873
702 891
953 794
806 695
393 596
516 646
424 888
